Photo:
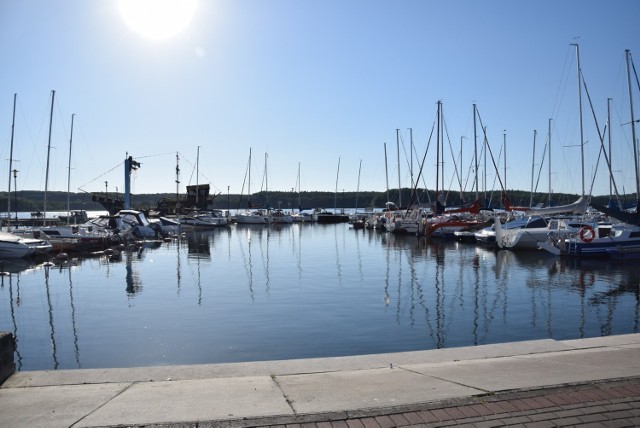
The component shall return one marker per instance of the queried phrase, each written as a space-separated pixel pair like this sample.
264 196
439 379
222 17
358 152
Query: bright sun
157 19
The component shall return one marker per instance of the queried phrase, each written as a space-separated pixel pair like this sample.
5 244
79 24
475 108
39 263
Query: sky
328 91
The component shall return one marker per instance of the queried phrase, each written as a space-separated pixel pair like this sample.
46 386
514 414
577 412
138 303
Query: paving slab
268 368
363 389
534 371
191 400
617 340
59 406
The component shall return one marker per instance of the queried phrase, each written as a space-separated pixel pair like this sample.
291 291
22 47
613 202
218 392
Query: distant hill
32 200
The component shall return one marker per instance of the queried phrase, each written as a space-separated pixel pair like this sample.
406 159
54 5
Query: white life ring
587 234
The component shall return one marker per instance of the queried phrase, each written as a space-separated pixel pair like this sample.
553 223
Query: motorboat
617 241
16 247
204 219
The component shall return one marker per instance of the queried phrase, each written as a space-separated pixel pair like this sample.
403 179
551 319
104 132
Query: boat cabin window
539 222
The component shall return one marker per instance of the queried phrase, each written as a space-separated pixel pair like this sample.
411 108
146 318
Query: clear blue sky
312 83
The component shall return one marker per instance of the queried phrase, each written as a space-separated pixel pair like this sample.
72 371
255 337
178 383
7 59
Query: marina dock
593 382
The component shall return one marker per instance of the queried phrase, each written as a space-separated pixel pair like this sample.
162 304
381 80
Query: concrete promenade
588 382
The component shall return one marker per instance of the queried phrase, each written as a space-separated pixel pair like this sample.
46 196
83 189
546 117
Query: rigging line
102 175
155 155
414 188
601 137
201 174
567 66
406 158
635 73
455 164
544 154
490 151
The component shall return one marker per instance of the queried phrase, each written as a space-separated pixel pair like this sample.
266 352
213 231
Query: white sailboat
250 215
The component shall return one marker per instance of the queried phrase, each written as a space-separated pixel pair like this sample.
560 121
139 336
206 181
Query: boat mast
438 151
533 163
69 173
411 155
580 110
335 198
13 123
484 174
609 137
475 149
461 172
399 184
386 170
633 131
197 173
177 178
504 143
266 180
358 190
46 180
549 160
299 199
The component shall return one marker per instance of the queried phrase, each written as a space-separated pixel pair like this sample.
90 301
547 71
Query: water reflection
259 293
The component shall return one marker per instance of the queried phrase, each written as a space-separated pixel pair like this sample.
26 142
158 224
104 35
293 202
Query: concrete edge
311 365
387 410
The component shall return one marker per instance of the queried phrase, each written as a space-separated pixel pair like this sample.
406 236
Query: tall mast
484 173
399 184
475 149
460 180
358 191
549 160
533 162
177 177
609 137
441 145
197 173
438 149
386 170
299 200
46 180
13 123
266 180
69 172
580 109
411 153
335 198
633 131
504 143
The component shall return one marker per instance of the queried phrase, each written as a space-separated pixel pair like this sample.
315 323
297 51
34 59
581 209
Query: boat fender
587 234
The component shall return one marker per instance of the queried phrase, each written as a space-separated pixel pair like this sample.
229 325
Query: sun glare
157 19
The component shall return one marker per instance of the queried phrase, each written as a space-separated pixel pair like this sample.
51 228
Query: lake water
302 290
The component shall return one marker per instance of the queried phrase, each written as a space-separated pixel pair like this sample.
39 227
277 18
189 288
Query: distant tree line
31 200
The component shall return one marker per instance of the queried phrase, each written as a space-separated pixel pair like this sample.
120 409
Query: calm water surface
257 293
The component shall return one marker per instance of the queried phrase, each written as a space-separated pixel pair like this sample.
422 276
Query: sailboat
323 216
617 241
251 215
275 216
301 217
356 221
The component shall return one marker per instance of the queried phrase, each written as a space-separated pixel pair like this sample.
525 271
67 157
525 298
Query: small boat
616 241
326 217
303 217
204 219
74 217
18 247
280 217
251 217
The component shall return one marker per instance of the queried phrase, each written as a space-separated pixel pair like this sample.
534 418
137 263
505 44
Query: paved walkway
588 382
